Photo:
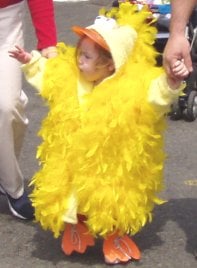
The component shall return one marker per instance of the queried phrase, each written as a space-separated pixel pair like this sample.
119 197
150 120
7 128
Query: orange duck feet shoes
120 249
76 238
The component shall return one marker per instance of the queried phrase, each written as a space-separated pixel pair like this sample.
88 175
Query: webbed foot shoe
120 249
77 238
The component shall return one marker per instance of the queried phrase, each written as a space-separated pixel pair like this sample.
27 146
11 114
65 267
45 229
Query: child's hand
20 54
180 72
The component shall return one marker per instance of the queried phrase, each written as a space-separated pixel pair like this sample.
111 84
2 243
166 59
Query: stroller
186 105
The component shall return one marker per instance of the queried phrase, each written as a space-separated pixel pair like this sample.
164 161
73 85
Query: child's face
87 61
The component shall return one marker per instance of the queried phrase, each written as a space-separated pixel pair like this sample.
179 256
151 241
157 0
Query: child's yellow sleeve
161 95
34 70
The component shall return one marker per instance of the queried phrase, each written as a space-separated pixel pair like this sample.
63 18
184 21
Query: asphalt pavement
170 241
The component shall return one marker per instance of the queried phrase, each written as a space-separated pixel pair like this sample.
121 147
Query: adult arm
43 19
177 47
181 11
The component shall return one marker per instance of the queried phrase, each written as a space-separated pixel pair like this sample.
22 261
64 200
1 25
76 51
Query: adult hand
49 52
177 48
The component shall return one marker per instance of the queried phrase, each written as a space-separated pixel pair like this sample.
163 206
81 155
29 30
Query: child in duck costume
102 151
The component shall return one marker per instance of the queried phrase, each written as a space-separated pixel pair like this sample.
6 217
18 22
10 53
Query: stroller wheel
176 112
191 111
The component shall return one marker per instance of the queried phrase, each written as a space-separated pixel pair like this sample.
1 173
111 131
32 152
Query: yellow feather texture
109 154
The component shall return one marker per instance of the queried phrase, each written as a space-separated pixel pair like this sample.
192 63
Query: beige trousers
13 121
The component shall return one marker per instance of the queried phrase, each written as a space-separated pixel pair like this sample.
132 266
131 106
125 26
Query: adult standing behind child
13 100
102 153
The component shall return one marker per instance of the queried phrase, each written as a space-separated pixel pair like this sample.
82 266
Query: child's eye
87 57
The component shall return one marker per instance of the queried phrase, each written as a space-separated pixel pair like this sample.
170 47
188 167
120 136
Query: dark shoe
21 207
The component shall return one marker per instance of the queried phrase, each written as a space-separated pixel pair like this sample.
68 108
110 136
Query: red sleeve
43 18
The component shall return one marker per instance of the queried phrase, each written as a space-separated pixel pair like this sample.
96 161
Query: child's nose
80 60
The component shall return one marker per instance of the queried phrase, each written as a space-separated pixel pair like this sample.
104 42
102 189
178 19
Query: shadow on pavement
180 211
183 212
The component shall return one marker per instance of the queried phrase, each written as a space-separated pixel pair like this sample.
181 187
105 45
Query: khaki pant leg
13 121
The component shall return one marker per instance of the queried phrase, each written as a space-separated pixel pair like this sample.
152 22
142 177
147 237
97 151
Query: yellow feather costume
107 152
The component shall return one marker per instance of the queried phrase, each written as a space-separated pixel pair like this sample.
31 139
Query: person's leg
13 121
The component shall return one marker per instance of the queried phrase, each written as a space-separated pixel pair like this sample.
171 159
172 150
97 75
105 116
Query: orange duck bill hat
92 34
